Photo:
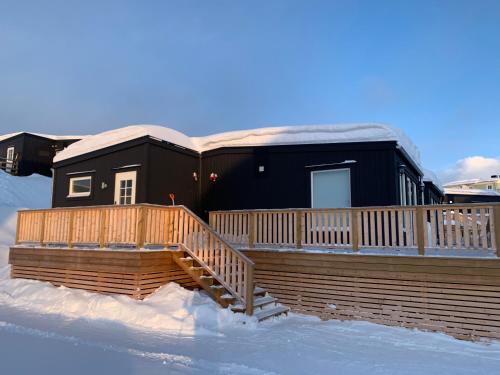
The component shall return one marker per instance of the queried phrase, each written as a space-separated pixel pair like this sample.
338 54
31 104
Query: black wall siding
286 180
171 171
104 167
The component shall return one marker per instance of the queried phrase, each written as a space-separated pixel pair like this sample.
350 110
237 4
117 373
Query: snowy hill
19 192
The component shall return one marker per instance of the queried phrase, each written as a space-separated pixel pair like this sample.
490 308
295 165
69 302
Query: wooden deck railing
10 166
138 226
446 227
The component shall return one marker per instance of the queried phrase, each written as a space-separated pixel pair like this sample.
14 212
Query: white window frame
72 180
9 159
9 149
331 170
130 175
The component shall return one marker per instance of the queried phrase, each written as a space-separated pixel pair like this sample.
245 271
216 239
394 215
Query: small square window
261 168
80 186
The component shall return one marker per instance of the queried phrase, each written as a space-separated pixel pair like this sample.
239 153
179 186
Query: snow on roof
48 136
432 177
462 182
471 192
286 135
120 135
470 181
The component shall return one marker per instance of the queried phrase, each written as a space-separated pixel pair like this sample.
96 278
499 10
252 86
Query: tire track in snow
175 361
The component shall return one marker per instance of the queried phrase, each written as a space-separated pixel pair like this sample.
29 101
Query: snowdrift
19 192
171 309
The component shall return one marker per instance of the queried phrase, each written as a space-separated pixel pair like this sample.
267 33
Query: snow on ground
49 330
16 193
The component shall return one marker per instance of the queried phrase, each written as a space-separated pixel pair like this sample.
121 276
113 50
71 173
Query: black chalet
289 167
23 154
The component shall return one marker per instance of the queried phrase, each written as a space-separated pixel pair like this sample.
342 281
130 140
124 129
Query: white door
331 188
125 187
10 159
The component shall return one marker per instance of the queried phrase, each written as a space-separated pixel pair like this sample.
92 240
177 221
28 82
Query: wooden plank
495 229
421 222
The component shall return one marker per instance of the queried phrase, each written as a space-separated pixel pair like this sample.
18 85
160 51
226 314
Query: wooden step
258 303
258 291
218 290
208 280
271 312
188 261
226 300
197 271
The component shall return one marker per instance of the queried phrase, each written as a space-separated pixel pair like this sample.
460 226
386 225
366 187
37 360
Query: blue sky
429 67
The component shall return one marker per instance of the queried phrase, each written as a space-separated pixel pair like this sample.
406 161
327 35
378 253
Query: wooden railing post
249 286
18 227
420 230
211 220
495 228
299 228
102 227
70 228
141 226
354 229
251 229
42 229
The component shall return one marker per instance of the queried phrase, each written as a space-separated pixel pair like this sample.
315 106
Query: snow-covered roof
432 177
120 135
470 181
286 135
471 192
48 136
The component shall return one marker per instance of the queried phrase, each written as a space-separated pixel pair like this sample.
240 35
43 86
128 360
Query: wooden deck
283 251
133 273
458 296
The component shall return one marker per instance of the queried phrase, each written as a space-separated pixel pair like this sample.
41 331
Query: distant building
492 183
23 154
458 196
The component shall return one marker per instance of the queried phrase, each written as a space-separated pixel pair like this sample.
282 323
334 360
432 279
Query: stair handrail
246 294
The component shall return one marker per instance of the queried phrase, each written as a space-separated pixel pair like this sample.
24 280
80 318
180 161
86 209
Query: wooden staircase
263 306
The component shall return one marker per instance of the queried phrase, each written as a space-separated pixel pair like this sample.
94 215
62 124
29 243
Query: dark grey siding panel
286 180
171 171
284 183
104 167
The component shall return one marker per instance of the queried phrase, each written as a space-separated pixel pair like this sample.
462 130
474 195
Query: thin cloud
471 167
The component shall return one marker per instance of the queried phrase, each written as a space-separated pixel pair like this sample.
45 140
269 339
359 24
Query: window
490 187
80 186
10 153
331 188
125 186
9 163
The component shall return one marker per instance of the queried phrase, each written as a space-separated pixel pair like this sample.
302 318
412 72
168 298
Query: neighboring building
433 192
304 166
468 195
23 154
492 183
